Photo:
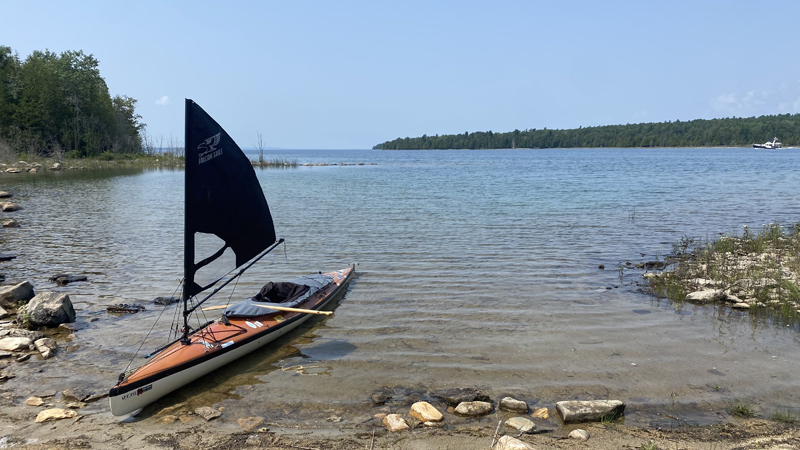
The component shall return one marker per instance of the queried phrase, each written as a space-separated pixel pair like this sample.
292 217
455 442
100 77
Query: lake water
476 269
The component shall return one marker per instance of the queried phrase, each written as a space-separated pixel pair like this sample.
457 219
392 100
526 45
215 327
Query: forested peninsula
58 105
729 132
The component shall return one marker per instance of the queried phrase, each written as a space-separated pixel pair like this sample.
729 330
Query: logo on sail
208 148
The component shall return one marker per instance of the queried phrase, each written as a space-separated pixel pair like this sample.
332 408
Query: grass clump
755 269
649 445
742 409
274 162
784 417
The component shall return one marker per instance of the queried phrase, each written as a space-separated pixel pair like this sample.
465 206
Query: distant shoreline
727 132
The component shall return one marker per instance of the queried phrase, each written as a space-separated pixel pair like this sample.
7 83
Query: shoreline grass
109 160
752 270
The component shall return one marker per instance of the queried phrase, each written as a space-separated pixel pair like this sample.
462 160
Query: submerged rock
73 396
249 423
71 327
9 223
452 397
207 412
657 265
166 300
46 347
126 308
576 411
63 279
380 396
541 413
521 424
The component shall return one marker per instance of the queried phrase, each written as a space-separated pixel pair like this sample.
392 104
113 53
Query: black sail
223 197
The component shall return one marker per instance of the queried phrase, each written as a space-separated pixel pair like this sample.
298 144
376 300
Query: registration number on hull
137 392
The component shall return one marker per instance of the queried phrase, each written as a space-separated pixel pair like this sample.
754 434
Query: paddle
279 308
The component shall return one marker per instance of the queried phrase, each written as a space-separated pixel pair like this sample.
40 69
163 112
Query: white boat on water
770 145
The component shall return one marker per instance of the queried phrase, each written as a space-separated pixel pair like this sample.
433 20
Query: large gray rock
51 309
3 313
589 411
11 296
4 194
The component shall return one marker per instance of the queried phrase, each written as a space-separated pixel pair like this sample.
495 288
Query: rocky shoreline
754 271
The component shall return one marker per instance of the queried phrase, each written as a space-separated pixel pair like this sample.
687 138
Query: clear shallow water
476 269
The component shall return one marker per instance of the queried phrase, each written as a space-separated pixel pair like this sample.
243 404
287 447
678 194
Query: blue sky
351 74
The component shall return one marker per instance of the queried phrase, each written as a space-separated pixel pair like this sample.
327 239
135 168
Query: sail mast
188 234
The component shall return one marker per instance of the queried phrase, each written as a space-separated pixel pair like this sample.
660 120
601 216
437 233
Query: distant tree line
730 132
54 104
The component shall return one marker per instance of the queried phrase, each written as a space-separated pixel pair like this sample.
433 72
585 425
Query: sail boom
188 311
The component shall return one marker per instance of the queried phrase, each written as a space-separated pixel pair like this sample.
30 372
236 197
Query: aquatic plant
784 416
741 409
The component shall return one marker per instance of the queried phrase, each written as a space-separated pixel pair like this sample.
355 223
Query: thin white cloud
749 103
163 101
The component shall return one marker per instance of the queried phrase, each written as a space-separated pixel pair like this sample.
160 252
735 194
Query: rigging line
175 327
148 334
